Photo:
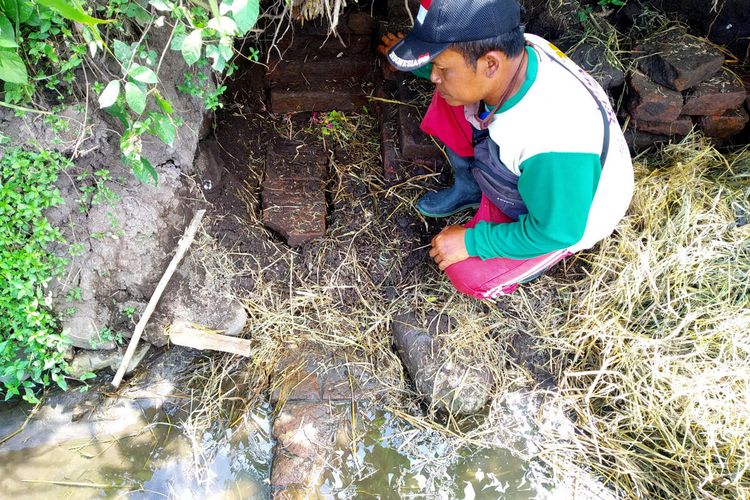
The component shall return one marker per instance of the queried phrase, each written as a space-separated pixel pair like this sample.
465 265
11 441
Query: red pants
491 278
479 278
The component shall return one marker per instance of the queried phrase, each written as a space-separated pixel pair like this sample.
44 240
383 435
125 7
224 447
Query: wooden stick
184 334
183 245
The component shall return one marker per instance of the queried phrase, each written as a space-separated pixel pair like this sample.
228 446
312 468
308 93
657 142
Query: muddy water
388 459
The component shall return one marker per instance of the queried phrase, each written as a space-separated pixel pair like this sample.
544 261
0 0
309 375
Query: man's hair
510 44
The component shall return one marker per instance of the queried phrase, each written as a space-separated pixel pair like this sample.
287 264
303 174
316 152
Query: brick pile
681 83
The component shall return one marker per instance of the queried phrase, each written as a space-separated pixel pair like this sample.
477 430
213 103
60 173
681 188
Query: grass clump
654 338
31 348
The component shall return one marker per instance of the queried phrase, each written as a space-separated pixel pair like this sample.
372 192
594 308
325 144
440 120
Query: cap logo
424 6
408 63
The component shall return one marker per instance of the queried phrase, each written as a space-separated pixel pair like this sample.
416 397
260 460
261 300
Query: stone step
328 96
292 192
300 46
316 70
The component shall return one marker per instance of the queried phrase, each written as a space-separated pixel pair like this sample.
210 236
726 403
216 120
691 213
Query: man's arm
558 189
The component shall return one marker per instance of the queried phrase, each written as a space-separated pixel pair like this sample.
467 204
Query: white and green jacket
550 135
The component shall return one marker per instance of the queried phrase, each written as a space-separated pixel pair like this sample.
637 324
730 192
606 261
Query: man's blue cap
440 23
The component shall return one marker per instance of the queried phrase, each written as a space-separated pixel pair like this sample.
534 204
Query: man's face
456 81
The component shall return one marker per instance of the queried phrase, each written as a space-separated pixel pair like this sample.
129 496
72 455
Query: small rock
714 96
725 126
593 59
93 361
652 102
459 385
679 61
681 126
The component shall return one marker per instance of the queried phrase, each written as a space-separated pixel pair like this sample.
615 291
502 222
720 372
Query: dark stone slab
593 59
296 161
649 101
678 61
301 46
318 70
681 126
725 126
340 96
716 95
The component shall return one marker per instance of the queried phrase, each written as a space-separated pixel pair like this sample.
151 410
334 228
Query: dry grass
646 334
651 342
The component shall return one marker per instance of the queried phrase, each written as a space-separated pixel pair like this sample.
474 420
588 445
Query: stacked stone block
681 84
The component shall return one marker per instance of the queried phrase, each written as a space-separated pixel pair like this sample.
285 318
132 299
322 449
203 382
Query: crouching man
531 138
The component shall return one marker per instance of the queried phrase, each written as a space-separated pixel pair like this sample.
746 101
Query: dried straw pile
652 342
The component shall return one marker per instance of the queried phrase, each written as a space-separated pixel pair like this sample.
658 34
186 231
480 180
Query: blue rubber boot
463 194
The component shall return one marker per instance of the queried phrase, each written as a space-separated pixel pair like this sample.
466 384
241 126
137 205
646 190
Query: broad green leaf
17 12
7 35
144 171
12 68
224 25
135 97
163 128
213 53
110 94
119 111
245 14
178 36
123 51
163 104
225 7
191 47
142 74
70 11
163 5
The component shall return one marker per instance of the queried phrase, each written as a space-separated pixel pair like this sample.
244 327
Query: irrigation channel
321 282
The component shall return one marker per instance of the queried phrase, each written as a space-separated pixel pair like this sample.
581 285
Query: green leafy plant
200 37
33 33
31 346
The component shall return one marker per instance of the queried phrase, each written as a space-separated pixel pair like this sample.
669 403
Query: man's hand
386 42
448 246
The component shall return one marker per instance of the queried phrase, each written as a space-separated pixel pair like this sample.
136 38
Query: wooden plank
186 335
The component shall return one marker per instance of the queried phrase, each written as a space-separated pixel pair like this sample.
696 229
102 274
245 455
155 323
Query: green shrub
31 346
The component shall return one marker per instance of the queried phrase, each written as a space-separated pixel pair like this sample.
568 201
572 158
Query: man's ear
493 63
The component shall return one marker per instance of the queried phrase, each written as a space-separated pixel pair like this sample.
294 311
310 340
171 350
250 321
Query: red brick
727 125
652 102
679 61
327 97
297 219
296 161
716 95
681 126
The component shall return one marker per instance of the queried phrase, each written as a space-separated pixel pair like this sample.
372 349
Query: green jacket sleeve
558 189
